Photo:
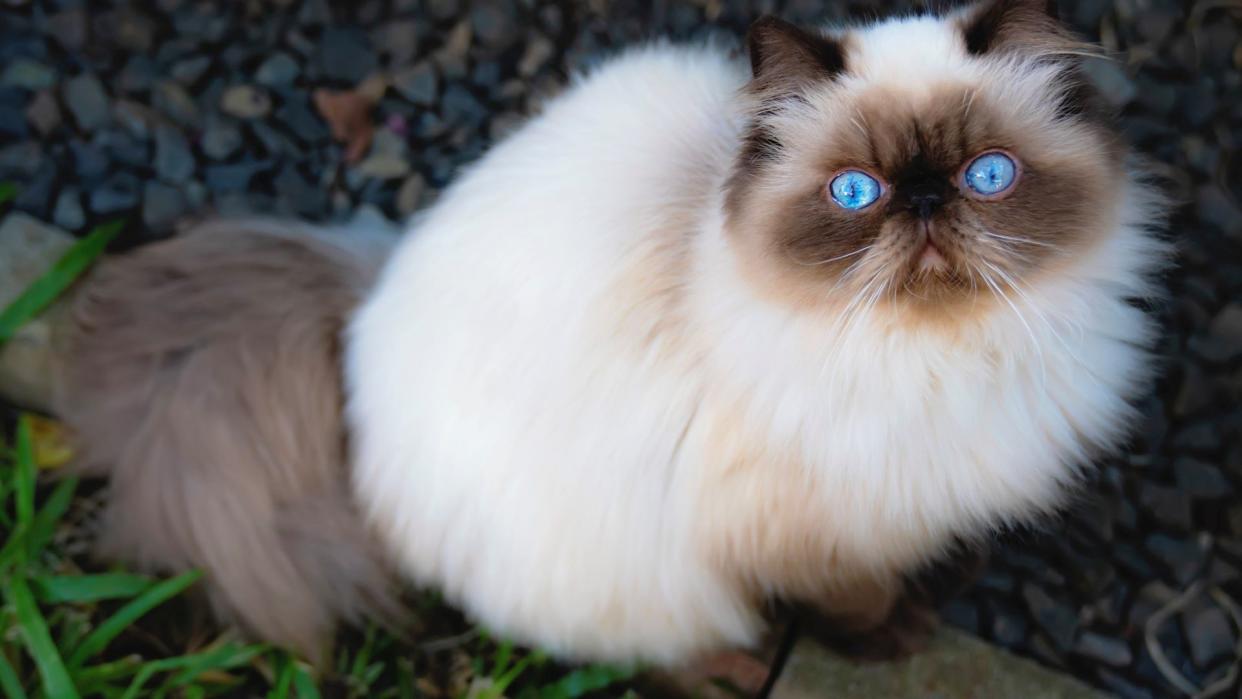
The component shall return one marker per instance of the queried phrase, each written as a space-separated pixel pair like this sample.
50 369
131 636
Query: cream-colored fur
574 413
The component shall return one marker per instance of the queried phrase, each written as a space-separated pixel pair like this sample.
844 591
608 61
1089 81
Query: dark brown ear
784 57
996 25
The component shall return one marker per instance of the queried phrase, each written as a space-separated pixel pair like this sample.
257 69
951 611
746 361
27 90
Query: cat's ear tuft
997 25
784 56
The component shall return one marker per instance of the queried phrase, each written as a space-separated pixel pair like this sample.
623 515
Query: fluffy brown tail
202 375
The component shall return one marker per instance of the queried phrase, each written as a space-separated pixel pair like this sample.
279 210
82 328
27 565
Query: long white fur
517 447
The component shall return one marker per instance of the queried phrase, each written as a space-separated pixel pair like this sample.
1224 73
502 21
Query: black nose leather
925 200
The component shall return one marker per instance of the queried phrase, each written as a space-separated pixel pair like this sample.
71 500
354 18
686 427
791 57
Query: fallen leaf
52 446
348 113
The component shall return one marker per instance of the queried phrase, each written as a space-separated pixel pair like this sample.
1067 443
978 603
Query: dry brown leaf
348 113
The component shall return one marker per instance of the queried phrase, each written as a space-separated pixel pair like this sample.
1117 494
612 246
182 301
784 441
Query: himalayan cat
704 334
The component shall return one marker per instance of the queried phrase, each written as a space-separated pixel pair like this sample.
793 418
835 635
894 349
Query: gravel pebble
277 70
118 194
1105 649
162 205
68 213
174 162
1211 636
88 103
246 102
28 74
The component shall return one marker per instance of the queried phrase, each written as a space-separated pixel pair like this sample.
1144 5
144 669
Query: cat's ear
1000 25
785 58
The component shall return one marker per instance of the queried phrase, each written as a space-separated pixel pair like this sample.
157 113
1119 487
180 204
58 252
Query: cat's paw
904 632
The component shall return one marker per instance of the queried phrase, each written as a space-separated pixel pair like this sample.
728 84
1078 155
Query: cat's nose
925 200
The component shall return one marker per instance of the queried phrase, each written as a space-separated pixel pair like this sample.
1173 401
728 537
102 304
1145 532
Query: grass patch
71 629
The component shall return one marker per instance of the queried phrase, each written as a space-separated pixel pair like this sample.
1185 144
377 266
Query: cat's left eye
991 174
854 189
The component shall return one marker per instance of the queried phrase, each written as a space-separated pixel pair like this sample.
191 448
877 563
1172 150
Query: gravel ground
161 109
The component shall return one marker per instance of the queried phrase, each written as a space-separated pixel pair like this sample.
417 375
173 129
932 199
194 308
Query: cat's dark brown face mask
945 178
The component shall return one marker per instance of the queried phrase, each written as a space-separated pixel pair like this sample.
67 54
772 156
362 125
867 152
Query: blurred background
159 110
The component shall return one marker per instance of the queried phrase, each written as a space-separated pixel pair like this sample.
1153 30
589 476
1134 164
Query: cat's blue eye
854 189
991 173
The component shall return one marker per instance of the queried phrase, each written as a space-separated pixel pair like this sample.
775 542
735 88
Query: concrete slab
955 666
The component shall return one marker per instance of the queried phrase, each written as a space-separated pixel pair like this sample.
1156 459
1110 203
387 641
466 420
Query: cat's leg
868 618
882 618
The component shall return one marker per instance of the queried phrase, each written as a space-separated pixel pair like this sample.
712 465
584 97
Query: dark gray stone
21 159
174 162
1110 79
299 195
273 142
1198 103
87 101
1211 636
1200 479
1184 558
278 70
221 138
188 71
12 119
90 160
1217 208
35 194
1169 506
68 213
173 101
1008 626
124 148
128 28
961 614
68 27
419 84
396 40
162 205
138 75
494 23
1053 617
1104 649
296 115
234 177
460 107
28 74
43 113
119 193
344 55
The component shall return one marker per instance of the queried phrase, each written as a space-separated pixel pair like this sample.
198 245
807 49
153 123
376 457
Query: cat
703 334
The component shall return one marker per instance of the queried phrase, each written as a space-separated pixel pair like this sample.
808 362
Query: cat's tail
201 375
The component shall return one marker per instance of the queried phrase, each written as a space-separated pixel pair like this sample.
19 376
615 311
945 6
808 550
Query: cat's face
921 163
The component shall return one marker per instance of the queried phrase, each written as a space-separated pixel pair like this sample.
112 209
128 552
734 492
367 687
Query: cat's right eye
854 190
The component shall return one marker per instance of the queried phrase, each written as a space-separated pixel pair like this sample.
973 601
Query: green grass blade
583 681
223 658
10 683
89 588
46 288
131 612
8 191
303 682
284 677
501 684
14 550
44 525
24 476
33 631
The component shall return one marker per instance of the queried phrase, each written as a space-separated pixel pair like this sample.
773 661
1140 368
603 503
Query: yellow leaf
52 446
